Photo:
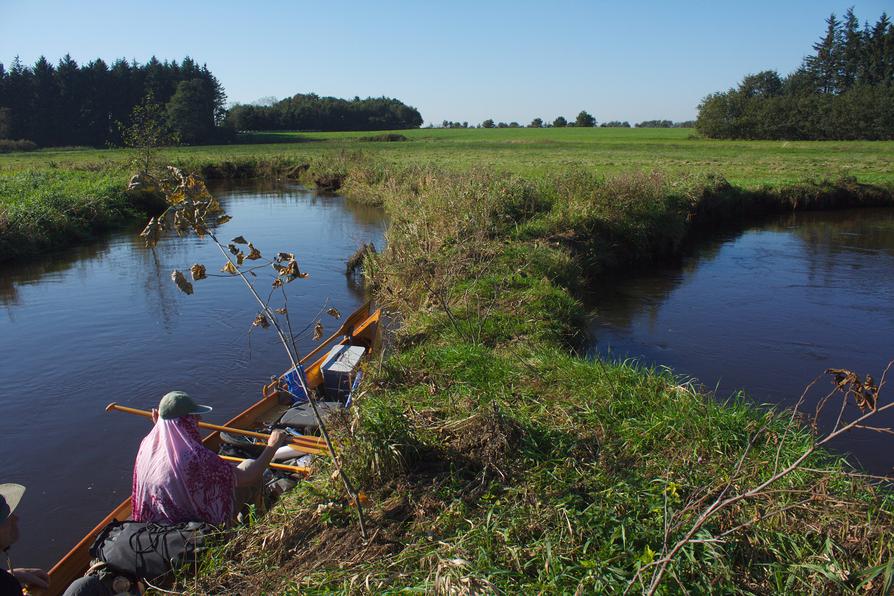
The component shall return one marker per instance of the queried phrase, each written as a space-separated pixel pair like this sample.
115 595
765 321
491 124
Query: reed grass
48 209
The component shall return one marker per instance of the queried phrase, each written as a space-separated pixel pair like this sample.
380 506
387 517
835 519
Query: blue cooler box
339 369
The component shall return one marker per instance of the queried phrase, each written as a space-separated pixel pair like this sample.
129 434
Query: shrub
9 145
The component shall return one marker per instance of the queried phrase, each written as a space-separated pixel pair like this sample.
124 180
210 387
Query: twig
660 566
293 357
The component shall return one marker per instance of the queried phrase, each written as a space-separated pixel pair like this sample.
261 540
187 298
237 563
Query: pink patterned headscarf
177 479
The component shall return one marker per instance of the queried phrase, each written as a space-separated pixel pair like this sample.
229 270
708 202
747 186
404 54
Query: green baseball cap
10 495
178 403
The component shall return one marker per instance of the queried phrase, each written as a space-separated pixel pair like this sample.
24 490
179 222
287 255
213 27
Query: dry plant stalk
850 389
190 208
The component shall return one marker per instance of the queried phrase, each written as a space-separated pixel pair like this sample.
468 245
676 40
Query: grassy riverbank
41 210
497 461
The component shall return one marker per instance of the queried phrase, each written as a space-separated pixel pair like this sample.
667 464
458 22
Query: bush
9 145
384 138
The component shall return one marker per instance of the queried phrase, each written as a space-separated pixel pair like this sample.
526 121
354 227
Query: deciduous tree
585 120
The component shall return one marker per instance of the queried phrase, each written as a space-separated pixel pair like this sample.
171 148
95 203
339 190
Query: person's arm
32 577
250 470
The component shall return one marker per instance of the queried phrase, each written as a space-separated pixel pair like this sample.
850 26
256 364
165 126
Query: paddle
312 445
357 316
297 469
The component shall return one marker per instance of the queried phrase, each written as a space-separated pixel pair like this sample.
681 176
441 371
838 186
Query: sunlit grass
538 152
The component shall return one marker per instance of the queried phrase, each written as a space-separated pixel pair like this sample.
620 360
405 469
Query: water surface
104 323
766 310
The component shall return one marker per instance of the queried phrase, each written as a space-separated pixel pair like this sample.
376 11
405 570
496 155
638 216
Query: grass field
494 459
537 152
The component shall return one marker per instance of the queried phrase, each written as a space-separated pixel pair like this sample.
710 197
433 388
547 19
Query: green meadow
535 152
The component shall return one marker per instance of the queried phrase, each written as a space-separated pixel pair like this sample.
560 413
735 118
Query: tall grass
49 209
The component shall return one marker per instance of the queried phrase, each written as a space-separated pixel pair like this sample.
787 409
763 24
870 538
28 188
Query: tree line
312 112
843 90
584 120
69 104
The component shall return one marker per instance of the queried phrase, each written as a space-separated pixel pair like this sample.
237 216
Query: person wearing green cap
12 581
177 479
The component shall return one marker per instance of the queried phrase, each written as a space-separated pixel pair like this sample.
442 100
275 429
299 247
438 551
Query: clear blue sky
454 60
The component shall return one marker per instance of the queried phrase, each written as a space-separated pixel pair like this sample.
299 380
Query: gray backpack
150 550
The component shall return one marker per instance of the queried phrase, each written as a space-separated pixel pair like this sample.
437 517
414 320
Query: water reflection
14 275
765 310
104 323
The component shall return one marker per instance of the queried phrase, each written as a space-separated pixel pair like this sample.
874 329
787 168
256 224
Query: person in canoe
12 581
177 479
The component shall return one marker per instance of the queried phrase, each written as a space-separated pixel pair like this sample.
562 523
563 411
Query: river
103 323
766 310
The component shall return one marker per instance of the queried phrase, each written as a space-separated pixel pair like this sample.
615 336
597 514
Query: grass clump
46 210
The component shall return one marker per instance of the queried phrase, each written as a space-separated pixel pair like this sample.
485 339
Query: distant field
533 152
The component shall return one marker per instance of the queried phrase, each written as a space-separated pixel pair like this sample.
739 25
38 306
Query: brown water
767 310
104 323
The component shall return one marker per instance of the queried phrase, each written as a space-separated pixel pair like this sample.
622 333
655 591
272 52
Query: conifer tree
43 116
851 52
878 56
68 109
825 64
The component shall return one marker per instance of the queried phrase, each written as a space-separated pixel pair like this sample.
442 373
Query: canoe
361 328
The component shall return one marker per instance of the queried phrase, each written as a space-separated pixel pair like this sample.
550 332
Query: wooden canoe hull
361 328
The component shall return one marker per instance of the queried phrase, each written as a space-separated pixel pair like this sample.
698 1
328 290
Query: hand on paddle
277 439
154 415
30 576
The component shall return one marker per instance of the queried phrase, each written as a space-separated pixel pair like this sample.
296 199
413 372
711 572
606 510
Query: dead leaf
232 248
285 256
277 283
281 311
253 253
181 282
240 258
230 268
239 240
318 331
152 232
333 312
291 271
198 272
261 321
223 219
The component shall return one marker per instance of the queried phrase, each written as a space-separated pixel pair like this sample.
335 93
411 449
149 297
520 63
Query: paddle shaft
307 444
298 469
